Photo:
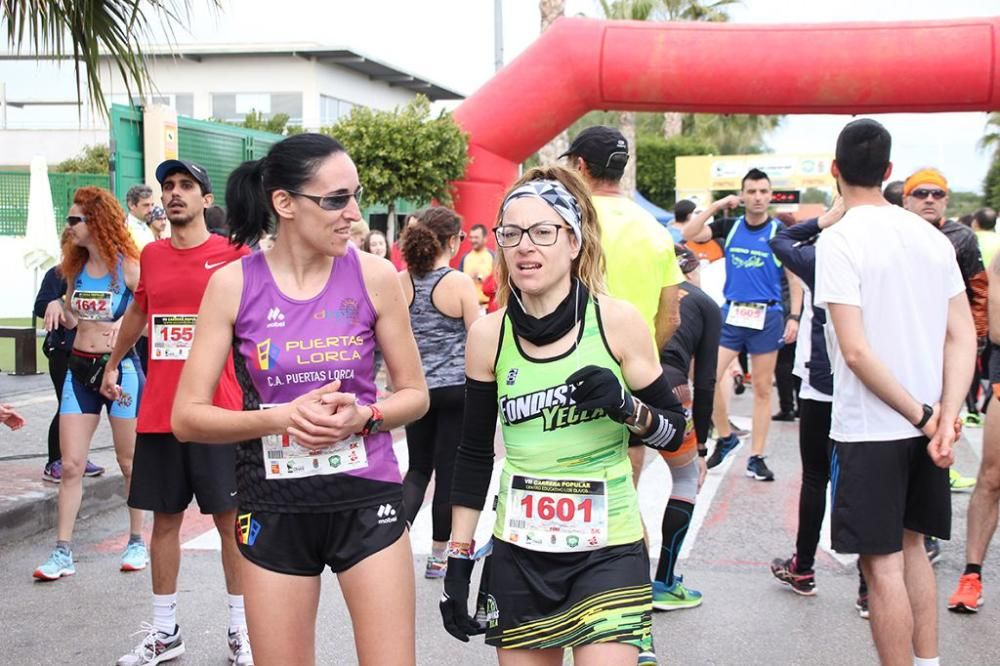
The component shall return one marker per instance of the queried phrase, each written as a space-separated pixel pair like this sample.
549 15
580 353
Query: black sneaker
784 416
757 469
739 388
802 582
723 447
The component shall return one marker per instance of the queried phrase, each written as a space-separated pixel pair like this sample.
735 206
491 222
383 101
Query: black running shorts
302 544
546 600
880 488
167 474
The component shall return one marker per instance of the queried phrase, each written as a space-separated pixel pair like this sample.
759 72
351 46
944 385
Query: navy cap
196 171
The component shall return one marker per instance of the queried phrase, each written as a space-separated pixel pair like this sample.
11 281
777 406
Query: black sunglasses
923 193
331 201
73 220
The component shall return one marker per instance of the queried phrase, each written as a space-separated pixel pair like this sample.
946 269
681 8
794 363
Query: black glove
592 387
454 602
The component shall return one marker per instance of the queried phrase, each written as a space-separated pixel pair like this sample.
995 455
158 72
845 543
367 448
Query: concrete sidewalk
27 503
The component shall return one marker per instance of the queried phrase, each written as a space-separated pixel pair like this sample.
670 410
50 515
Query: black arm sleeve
701 413
706 361
669 420
474 459
721 228
53 287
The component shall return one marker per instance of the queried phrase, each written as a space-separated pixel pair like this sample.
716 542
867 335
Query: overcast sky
451 43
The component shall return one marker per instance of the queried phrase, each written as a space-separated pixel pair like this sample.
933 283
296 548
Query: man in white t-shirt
903 355
139 200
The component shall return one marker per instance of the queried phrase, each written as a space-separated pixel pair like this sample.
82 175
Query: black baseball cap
196 171
600 145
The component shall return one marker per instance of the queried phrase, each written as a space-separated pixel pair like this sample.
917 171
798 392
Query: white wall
18 146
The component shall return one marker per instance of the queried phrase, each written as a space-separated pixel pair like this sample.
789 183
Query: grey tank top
440 338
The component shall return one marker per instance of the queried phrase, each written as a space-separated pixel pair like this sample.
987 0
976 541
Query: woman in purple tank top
317 478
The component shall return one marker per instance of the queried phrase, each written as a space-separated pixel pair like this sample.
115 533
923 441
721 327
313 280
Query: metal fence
14 192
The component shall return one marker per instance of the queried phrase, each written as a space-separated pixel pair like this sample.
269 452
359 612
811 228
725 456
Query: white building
314 84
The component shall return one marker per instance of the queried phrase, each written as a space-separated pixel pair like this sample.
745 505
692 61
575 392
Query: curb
36 512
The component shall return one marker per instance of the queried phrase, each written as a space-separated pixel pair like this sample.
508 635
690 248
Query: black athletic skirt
549 600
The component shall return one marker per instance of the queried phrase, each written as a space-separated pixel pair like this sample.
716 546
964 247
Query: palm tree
87 30
551 10
991 139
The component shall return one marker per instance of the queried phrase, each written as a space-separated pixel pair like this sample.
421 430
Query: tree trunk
626 124
550 10
673 124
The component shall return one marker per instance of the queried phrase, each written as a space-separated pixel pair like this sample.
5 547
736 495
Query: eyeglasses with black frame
923 193
331 201
73 220
541 233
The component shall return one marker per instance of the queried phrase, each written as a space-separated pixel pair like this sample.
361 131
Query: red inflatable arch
583 64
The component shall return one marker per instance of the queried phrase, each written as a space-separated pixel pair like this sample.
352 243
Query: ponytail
248 208
288 165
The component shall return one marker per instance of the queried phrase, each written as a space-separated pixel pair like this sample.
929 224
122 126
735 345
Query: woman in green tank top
572 375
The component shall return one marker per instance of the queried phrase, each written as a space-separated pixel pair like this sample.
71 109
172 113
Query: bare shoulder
376 270
624 327
228 279
486 330
481 345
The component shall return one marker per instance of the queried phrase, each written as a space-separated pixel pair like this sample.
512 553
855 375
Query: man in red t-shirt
167 473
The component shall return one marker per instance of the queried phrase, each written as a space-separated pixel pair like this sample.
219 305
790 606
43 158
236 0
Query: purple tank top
287 347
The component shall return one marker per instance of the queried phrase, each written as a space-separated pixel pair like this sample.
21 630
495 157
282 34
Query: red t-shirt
171 284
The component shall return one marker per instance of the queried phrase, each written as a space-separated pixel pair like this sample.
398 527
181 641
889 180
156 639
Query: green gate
217 147
14 197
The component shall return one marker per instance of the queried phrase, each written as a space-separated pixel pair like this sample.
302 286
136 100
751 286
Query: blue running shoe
93 469
53 471
135 557
59 564
674 597
723 447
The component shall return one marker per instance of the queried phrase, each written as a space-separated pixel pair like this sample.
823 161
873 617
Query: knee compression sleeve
685 481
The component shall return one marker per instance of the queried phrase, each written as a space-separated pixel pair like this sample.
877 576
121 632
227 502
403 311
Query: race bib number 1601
556 515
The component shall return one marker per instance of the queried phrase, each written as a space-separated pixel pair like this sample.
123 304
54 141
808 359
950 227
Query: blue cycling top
98 299
753 272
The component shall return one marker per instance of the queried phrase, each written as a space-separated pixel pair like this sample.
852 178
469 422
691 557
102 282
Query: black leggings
788 384
432 443
814 449
57 373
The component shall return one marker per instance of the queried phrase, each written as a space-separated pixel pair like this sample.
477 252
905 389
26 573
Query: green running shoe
959 483
674 597
973 421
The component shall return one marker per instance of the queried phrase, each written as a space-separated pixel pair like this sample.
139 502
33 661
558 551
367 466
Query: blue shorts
770 339
78 399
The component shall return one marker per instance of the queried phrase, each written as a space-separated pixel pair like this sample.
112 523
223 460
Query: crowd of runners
239 358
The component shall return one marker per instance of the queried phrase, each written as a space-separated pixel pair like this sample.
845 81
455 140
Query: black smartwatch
928 413
795 317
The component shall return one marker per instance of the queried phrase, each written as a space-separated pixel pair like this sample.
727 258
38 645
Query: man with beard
173 275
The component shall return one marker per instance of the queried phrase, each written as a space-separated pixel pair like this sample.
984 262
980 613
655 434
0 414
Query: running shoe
757 469
973 420
861 605
135 557
53 472
156 648
739 387
674 597
969 595
723 447
802 582
738 431
93 469
933 548
436 567
959 483
784 416
647 659
59 564
239 648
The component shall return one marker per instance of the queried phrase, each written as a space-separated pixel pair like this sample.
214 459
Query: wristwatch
374 423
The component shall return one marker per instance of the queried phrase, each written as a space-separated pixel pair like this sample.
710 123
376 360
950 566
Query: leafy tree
92 159
733 134
991 139
657 171
85 30
256 120
991 186
963 203
405 153
815 195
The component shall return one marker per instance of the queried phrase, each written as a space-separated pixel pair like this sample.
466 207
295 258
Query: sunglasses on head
73 220
923 193
331 201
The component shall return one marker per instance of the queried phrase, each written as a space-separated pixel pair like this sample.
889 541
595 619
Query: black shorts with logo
302 544
167 474
882 488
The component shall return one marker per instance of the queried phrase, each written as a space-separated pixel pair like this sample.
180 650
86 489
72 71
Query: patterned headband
554 194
